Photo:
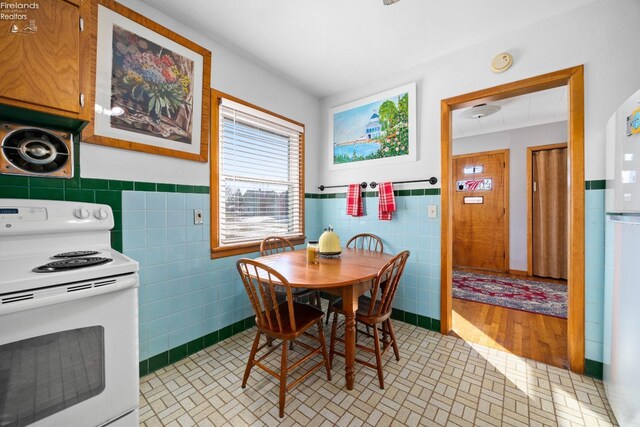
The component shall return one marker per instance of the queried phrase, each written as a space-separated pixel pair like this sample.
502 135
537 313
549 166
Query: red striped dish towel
386 203
354 200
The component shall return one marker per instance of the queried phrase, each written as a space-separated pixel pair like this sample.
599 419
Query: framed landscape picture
376 130
151 90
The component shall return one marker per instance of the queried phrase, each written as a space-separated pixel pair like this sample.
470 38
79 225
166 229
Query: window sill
246 248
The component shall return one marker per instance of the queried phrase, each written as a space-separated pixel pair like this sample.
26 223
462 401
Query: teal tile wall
419 290
410 228
157 227
313 217
184 294
594 272
151 237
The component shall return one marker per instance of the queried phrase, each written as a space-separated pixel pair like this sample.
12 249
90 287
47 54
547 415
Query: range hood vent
35 151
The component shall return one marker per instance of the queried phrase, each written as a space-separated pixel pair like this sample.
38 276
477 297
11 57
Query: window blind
260 164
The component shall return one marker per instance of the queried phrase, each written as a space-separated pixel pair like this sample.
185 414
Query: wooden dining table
348 275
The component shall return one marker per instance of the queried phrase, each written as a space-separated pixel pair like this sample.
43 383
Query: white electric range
68 317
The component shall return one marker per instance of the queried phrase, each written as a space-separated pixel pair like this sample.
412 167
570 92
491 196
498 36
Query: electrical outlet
432 211
198 218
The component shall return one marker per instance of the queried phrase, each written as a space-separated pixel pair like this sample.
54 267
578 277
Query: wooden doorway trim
505 188
530 151
573 78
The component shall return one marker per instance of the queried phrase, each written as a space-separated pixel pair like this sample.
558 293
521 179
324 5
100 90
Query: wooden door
480 210
549 228
41 57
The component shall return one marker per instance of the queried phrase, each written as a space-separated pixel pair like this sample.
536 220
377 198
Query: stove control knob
81 213
101 214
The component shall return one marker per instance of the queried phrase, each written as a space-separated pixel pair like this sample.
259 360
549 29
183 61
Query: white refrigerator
621 355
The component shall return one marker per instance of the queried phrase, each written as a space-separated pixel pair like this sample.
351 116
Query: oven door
71 363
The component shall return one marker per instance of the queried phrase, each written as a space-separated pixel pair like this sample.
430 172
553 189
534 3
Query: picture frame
373 131
150 86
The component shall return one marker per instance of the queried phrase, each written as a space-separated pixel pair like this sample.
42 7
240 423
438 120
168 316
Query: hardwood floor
535 336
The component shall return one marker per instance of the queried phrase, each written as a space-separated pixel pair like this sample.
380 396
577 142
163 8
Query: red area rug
526 295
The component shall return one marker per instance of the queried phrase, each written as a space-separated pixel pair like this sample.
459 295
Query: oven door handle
67 295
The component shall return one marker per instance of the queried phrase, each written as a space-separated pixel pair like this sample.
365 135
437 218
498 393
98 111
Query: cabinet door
40 69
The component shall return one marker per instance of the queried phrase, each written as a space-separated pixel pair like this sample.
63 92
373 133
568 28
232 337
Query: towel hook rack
433 181
322 187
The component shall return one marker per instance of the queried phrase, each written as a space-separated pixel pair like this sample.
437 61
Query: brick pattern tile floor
439 381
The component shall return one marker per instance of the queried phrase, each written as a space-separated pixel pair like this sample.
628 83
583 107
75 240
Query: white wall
230 73
598 35
517 141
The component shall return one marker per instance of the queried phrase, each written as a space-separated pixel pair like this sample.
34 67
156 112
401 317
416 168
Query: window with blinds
259 175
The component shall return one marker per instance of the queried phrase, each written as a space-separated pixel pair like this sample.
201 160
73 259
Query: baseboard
416 320
519 272
593 369
183 351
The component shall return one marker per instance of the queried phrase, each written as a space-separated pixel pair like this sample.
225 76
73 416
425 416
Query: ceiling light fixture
479 111
388 2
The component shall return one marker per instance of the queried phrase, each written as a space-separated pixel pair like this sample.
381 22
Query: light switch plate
198 218
432 211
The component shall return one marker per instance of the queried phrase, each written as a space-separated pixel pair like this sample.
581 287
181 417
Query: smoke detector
501 62
479 111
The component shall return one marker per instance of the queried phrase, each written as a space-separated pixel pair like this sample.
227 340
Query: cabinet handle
82 99
81 24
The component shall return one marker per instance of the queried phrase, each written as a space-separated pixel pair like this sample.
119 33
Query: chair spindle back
260 282
274 245
386 284
366 241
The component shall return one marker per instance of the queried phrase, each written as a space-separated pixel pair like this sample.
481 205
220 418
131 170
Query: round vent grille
35 150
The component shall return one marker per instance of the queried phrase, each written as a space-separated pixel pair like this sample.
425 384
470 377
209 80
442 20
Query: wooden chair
276 244
375 310
286 320
367 241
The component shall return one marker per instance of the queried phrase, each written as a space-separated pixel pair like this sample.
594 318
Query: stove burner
70 264
75 254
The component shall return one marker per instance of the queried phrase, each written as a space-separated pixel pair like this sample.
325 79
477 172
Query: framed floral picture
151 90
376 130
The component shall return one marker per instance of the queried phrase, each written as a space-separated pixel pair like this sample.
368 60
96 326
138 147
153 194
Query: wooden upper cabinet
41 70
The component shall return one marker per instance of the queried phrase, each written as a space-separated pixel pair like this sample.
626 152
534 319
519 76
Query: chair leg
331 299
283 378
325 356
291 342
393 339
252 356
384 336
376 343
332 346
318 300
